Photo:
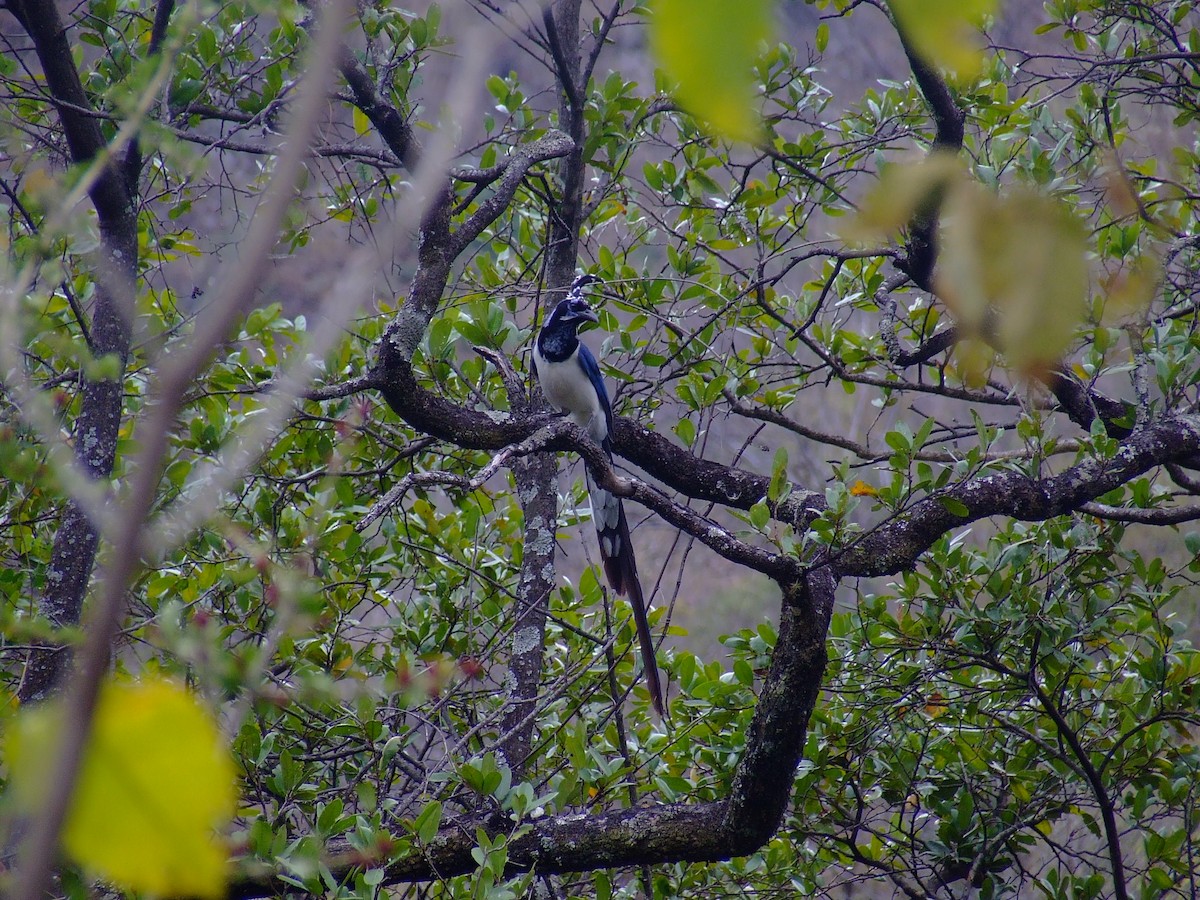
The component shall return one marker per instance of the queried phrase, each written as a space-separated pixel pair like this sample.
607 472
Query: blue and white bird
571 381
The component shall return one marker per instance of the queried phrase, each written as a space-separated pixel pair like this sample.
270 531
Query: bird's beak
590 314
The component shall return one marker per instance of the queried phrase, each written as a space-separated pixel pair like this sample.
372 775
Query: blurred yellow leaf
1130 290
155 782
903 190
1023 256
1118 189
974 359
708 48
936 705
945 33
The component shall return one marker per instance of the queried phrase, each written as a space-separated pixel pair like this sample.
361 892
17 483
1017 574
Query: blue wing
616 548
591 369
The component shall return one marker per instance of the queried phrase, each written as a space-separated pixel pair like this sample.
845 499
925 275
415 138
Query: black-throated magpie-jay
571 380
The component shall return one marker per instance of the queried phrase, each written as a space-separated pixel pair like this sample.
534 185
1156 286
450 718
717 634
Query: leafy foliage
1012 708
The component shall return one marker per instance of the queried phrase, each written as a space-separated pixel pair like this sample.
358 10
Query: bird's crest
575 306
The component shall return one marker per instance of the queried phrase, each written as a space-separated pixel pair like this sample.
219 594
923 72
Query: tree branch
391 125
895 545
661 833
666 462
98 422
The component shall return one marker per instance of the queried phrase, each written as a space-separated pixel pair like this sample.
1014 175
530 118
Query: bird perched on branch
571 380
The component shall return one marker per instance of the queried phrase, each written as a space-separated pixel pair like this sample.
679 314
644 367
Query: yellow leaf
975 359
936 706
1130 290
1022 256
1118 189
362 125
861 489
708 48
901 191
945 32
155 782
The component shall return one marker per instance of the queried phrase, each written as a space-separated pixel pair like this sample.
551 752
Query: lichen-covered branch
113 194
658 833
896 544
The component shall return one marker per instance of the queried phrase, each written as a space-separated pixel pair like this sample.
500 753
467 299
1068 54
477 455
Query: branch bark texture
114 196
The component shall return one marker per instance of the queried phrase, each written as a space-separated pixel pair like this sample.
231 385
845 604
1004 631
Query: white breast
567 387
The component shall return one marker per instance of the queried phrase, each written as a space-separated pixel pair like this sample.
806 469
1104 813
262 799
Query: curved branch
391 125
948 119
440 245
703 479
1112 834
895 545
552 145
660 833
666 462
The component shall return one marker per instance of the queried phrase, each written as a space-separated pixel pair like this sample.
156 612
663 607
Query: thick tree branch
99 420
128 529
1156 516
440 245
660 833
132 164
896 544
566 216
566 70
535 477
391 125
109 192
666 462
948 119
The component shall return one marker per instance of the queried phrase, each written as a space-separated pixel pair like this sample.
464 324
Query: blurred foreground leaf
1022 255
709 48
945 33
155 782
1012 268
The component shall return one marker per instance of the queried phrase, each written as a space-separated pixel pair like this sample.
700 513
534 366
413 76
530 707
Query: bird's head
574 309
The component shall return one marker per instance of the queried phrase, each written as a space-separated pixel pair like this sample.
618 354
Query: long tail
616 550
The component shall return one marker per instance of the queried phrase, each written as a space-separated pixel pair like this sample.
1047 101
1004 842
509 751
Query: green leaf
898 441
954 507
1191 540
708 48
156 781
686 429
426 824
